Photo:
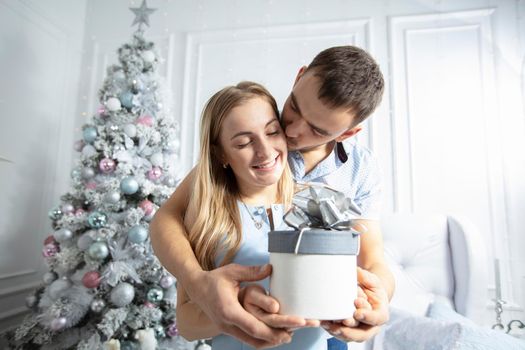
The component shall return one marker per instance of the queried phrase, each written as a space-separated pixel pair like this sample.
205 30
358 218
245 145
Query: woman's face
253 144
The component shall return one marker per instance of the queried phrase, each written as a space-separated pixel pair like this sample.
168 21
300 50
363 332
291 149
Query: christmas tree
105 289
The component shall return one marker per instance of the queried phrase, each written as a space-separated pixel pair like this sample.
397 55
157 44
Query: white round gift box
320 281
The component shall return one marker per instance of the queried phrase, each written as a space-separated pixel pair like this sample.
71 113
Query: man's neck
316 155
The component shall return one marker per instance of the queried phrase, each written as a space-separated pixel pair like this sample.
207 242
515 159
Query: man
330 98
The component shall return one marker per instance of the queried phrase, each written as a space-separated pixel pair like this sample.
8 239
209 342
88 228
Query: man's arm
215 292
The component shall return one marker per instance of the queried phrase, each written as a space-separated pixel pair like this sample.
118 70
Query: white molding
17 274
20 288
359 30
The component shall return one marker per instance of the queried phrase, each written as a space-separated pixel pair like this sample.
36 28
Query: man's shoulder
359 154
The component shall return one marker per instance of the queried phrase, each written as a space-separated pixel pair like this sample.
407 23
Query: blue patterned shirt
358 177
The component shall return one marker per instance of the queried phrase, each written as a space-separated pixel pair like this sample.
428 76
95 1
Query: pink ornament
79 212
68 208
154 173
107 165
91 185
149 304
146 206
49 240
101 110
79 145
166 282
50 250
91 279
172 330
146 120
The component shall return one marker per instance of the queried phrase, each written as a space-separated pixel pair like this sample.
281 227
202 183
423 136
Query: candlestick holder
499 325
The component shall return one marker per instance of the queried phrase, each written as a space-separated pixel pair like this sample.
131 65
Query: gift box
314 271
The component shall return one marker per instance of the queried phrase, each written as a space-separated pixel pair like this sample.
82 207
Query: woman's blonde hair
213 203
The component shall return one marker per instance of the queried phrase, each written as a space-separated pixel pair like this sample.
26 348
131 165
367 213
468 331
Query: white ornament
148 56
89 151
157 159
130 130
113 104
57 287
203 346
146 338
112 344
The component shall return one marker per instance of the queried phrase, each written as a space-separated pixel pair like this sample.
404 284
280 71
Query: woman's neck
259 195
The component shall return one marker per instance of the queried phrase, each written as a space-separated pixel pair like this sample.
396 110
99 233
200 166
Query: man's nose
295 128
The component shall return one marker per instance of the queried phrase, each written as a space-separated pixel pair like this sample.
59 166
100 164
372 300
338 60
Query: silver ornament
97 305
85 241
170 181
30 301
113 104
68 208
156 314
157 159
130 130
55 214
63 235
166 282
122 294
98 251
112 197
88 173
57 287
49 277
97 219
58 323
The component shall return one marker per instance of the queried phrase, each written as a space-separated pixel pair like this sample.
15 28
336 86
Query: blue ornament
155 295
55 214
97 219
126 99
98 251
129 185
75 174
89 134
137 234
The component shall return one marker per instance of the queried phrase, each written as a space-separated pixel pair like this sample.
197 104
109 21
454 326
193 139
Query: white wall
40 51
449 132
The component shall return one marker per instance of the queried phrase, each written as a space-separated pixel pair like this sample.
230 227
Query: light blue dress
254 251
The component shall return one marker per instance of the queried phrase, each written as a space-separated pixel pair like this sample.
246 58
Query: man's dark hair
350 78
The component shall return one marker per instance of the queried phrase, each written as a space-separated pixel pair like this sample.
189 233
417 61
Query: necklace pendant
258 225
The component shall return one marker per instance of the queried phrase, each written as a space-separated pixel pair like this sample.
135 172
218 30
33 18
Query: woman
242 184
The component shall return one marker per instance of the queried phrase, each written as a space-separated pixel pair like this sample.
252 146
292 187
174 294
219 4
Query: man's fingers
367 280
372 317
361 303
242 273
357 334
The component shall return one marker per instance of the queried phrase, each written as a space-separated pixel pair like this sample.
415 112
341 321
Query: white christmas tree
105 289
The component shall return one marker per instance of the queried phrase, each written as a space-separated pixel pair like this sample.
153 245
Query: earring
225 165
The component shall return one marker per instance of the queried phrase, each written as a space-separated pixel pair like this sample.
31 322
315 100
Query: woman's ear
349 133
217 152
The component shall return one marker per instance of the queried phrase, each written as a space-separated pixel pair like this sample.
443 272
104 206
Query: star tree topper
142 14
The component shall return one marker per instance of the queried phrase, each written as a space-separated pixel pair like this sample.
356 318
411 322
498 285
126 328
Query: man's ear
349 133
300 74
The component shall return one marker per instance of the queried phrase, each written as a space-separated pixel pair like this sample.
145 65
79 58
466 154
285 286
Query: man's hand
217 294
371 311
265 308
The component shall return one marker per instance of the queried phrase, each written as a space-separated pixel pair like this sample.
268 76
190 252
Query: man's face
308 122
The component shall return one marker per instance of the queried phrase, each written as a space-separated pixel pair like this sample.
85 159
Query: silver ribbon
319 206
